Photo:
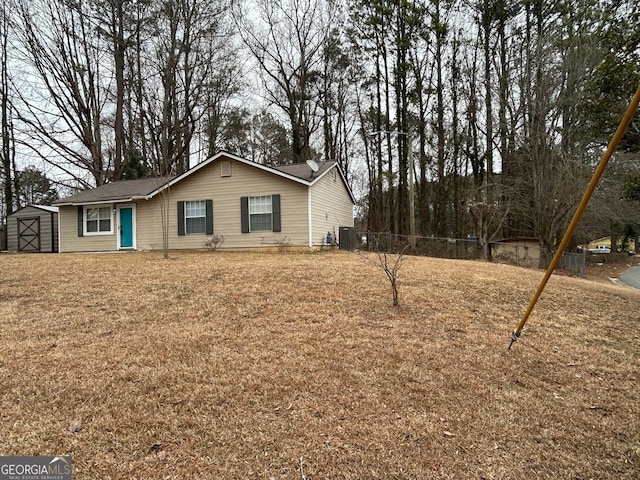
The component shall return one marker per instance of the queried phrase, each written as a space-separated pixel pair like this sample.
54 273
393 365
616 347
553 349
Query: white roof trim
46 208
101 202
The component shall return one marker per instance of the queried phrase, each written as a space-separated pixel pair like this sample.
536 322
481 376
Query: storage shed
33 228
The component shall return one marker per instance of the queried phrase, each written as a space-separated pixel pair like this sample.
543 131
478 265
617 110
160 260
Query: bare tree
7 147
390 263
62 107
176 70
119 23
287 43
220 116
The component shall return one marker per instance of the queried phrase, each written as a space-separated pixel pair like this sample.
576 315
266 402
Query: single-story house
33 228
249 204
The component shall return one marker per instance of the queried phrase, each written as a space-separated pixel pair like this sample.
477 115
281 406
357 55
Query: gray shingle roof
127 190
123 191
303 171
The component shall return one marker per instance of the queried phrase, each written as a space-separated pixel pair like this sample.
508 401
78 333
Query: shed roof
46 208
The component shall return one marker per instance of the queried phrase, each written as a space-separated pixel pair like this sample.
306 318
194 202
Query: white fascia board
98 202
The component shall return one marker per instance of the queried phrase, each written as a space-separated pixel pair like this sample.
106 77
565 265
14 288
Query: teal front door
126 227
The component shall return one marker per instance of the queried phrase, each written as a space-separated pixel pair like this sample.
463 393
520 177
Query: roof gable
128 190
297 172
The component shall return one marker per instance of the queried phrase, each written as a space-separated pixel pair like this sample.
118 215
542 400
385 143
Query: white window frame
270 212
86 219
203 216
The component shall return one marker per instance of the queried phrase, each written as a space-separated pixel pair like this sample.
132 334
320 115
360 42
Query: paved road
631 277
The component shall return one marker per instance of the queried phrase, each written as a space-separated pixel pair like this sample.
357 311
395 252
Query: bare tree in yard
287 43
175 69
62 108
390 263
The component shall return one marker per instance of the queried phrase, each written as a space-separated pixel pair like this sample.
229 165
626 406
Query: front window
98 220
260 214
195 217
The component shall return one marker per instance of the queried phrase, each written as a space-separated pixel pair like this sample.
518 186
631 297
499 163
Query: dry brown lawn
221 365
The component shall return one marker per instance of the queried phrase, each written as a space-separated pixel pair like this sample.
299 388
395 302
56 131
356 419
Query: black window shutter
181 218
209 217
244 214
275 210
80 222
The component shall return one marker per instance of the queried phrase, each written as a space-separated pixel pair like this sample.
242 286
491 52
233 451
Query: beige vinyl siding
331 206
48 228
244 181
71 242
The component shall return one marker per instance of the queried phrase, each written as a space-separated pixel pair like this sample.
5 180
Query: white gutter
102 202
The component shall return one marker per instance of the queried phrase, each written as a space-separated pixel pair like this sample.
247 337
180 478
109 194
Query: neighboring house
605 242
594 244
250 204
33 228
523 251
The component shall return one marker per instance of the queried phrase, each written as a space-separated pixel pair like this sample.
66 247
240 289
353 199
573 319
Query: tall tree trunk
487 19
7 151
119 52
441 186
458 205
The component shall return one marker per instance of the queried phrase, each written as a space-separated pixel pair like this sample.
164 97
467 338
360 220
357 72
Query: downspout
309 217
53 234
59 236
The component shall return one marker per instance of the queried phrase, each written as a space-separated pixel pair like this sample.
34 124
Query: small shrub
283 244
215 241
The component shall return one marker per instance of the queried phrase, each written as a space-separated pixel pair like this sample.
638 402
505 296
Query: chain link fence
521 252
